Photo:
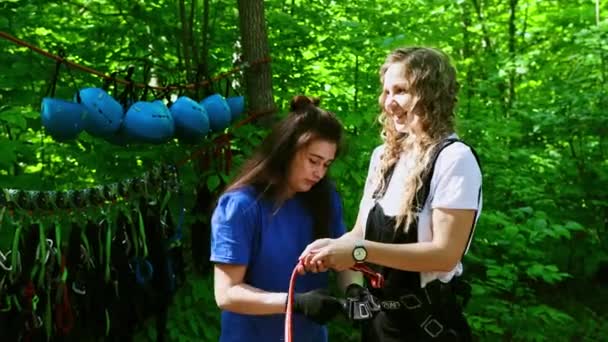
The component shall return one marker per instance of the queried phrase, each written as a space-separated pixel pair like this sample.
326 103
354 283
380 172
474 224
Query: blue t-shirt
247 230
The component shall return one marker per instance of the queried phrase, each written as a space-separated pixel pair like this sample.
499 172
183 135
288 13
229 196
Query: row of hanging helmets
129 120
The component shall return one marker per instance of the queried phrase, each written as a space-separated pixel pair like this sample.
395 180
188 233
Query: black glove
360 304
317 305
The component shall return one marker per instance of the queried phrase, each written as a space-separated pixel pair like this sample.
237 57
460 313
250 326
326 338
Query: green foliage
535 114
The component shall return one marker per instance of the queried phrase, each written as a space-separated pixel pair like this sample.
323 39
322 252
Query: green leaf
213 182
14 117
574 226
7 154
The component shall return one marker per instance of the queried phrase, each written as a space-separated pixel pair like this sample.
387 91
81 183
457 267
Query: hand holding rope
375 279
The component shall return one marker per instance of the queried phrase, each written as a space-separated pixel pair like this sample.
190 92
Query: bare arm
232 294
344 279
451 229
358 231
348 277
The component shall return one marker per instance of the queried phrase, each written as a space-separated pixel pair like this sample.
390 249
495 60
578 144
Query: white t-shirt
455 184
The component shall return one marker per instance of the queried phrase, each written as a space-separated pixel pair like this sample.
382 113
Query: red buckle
376 279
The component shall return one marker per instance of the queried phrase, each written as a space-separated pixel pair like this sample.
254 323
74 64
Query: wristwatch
359 252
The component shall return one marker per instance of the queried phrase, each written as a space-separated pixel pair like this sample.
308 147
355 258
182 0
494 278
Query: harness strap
376 279
419 306
64 318
16 257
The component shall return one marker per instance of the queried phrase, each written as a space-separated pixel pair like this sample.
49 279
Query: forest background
533 103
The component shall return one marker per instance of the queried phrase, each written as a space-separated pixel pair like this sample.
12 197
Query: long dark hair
268 169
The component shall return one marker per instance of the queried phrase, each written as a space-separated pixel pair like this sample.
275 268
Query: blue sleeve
233 228
338 227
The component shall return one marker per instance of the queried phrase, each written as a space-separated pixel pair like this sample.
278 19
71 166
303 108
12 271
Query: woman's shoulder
457 153
378 150
377 154
239 199
458 149
237 204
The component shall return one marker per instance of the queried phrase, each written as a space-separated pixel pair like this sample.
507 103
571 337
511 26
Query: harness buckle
432 326
390 305
363 312
79 288
410 301
3 260
362 307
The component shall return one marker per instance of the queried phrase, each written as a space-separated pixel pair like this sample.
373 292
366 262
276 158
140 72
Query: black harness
409 312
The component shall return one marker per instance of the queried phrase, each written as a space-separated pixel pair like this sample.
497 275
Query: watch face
359 253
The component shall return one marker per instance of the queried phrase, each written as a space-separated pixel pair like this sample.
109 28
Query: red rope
64 317
123 81
28 294
289 309
376 280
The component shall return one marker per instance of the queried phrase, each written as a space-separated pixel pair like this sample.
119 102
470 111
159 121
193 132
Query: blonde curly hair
433 88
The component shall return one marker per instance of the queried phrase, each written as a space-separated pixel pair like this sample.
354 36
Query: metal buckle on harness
410 301
49 243
432 327
4 259
362 308
372 303
363 311
79 288
390 305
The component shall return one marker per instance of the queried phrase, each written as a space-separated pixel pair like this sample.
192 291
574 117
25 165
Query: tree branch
486 36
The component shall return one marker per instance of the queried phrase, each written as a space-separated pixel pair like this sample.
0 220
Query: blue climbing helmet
218 111
104 113
191 120
149 122
62 119
236 105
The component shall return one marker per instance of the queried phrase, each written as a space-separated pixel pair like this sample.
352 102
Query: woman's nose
317 172
390 102
388 98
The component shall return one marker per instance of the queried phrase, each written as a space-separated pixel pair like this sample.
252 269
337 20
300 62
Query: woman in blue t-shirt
279 203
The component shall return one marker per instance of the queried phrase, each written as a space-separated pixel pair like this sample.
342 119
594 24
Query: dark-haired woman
280 202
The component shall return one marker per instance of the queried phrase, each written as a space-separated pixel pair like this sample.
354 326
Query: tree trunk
512 53
193 40
185 39
202 66
486 35
258 77
356 99
467 52
205 40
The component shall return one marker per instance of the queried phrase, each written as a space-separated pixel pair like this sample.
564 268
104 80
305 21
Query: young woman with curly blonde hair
420 204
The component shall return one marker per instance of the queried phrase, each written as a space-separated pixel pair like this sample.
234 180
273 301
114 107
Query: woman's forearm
451 232
415 257
246 299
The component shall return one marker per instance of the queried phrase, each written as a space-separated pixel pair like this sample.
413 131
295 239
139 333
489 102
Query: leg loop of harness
431 309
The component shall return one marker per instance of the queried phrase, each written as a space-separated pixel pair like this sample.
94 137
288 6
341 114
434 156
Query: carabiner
3 259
